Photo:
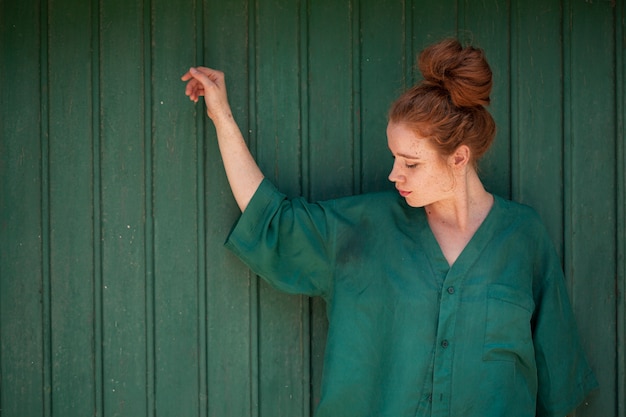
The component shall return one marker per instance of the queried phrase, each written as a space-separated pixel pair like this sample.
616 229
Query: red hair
448 106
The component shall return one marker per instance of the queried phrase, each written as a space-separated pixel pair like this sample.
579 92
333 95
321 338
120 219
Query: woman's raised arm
244 175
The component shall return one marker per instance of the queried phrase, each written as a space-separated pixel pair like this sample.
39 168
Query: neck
465 209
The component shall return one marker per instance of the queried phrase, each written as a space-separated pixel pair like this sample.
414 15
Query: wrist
222 117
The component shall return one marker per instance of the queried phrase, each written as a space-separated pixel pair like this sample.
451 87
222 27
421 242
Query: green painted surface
24 359
71 195
117 297
589 181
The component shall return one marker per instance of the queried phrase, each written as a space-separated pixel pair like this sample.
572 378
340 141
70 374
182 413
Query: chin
415 204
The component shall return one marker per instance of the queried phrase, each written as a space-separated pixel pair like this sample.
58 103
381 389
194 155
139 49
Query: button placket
443 363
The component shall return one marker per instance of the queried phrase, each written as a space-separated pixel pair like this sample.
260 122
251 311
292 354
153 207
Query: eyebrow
406 156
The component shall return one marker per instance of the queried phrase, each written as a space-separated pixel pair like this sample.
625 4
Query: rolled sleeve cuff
244 235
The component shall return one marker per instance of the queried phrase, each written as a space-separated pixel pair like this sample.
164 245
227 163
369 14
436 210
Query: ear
460 158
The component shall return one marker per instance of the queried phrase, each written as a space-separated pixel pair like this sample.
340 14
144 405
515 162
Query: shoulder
366 202
519 215
371 200
351 209
379 206
518 209
527 243
524 226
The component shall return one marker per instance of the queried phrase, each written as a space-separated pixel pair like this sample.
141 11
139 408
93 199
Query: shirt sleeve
564 375
286 242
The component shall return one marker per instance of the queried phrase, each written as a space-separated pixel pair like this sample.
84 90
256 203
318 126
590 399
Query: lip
404 193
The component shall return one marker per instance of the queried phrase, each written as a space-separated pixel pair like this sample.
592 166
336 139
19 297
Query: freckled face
419 173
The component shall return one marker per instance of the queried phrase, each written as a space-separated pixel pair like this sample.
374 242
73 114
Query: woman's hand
207 82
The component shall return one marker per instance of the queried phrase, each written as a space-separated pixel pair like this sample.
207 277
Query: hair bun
463 72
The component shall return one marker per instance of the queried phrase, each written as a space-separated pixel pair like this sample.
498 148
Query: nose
395 175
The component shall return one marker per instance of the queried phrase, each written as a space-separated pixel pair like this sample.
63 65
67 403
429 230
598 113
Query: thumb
199 76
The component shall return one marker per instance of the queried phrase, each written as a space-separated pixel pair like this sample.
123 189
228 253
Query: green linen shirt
493 335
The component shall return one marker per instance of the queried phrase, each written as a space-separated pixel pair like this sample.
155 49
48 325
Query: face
420 174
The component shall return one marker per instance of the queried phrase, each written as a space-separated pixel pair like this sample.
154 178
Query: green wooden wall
117 297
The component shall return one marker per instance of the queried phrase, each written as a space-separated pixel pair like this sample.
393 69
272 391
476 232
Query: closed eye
407 164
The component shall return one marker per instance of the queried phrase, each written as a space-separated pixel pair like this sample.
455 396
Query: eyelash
408 166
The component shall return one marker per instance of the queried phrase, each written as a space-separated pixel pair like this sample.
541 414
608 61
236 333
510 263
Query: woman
443 299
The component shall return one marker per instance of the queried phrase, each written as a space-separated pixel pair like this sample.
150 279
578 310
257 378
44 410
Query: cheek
431 180
443 179
424 175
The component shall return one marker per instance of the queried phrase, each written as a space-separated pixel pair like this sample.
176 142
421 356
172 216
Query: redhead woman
442 298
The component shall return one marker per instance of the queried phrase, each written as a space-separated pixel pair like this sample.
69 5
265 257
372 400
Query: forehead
406 142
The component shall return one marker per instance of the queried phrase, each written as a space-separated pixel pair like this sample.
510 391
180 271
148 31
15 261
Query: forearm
244 175
242 171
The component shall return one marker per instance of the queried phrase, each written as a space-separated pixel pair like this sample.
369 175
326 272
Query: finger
187 76
205 70
205 83
200 73
216 77
192 85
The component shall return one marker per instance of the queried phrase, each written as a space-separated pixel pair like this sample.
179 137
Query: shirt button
444 343
450 290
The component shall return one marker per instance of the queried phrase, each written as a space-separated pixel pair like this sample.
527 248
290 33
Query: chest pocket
508 334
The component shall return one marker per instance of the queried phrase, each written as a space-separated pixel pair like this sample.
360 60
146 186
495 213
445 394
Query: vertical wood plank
277 87
590 262
487 25
384 38
331 140
232 359
175 212
536 112
426 23
282 388
429 22
333 128
71 207
22 342
123 187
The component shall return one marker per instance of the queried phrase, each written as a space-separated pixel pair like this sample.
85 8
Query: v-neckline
470 252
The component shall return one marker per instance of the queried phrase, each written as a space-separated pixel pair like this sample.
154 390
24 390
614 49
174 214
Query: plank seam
149 245
45 213
357 138
407 35
253 279
620 106
97 212
305 188
203 296
566 150
514 104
